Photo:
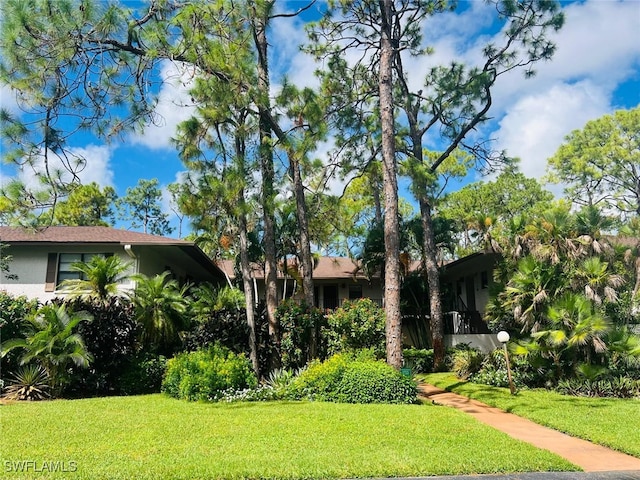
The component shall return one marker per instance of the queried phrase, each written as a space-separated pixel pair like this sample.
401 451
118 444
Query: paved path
586 455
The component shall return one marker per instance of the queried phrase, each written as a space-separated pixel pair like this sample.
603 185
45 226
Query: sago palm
53 343
100 277
160 307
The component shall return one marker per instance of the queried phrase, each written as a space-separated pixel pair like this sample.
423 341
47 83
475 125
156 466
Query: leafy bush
418 360
466 362
524 374
357 324
353 378
375 382
112 338
617 387
320 380
143 375
300 327
262 393
13 314
227 327
206 374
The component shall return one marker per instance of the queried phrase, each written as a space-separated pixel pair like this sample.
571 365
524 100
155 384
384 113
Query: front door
330 297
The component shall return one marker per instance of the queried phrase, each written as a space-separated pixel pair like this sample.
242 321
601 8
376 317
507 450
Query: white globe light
503 337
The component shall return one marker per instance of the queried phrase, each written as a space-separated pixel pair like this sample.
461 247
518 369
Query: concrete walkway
586 455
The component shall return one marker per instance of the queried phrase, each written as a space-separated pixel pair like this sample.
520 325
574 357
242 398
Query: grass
612 422
154 436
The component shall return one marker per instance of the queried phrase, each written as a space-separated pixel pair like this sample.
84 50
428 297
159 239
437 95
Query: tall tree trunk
390 186
267 170
433 281
247 285
303 227
305 245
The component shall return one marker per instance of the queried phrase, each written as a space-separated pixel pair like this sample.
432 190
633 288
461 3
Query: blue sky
595 71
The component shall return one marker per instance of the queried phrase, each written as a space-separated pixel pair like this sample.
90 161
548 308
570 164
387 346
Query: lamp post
503 338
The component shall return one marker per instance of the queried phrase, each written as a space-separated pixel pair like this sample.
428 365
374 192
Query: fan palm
160 307
594 277
100 277
529 291
53 343
574 330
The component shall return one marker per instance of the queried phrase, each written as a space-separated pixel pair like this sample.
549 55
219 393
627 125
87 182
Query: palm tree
575 332
529 290
593 276
100 277
53 343
160 307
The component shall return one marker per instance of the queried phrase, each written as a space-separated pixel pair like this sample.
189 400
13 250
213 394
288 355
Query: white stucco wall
485 342
30 265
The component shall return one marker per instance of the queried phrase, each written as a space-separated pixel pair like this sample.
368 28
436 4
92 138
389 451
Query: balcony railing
465 322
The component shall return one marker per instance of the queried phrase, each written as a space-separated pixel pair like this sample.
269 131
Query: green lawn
608 421
155 437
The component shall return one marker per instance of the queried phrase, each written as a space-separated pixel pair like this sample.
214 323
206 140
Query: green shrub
357 324
320 380
112 338
300 328
524 374
30 382
353 378
143 375
375 382
13 314
418 360
466 362
206 374
616 387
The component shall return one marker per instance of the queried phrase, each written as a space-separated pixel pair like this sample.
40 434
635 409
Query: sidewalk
586 455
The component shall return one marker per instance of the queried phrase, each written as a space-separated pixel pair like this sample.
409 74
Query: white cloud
97 169
599 43
534 127
173 107
597 50
8 99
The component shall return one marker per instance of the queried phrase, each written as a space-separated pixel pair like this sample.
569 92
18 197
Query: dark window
330 297
355 292
484 279
66 260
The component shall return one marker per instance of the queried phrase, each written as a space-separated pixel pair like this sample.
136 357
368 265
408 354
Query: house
335 279
40 260
465 284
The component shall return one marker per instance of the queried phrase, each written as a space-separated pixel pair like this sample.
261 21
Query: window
355 292
59 267
484 279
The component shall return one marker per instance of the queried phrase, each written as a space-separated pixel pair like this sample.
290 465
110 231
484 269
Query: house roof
62 235
102 235
327 268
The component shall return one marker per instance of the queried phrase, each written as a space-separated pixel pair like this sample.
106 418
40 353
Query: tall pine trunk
303 228
247 285
433 281
268 176
393 327
305 245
